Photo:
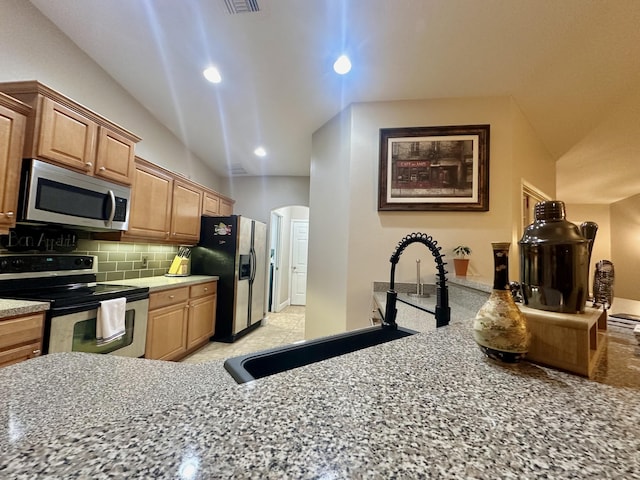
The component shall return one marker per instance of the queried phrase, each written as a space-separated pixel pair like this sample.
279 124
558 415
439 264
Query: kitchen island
426 406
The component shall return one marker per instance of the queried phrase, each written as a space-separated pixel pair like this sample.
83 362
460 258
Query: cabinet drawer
203 289
21 330
168 297
19 354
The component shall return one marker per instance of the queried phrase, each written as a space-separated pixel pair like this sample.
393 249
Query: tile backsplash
122 260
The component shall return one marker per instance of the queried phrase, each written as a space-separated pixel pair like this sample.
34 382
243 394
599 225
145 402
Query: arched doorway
287 256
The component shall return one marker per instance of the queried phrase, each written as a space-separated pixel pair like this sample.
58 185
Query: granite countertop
13 308
426 406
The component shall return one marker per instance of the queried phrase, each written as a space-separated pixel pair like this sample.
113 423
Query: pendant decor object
554 261
500 328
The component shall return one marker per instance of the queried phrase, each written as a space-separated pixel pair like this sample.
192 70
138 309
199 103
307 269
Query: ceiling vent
237 169
241 6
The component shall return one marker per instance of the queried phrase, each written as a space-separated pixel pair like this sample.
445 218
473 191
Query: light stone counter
426 406
13 308
164 283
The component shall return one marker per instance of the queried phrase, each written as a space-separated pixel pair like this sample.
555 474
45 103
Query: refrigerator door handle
254 260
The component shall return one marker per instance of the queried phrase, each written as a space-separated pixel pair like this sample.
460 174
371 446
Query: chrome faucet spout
443 311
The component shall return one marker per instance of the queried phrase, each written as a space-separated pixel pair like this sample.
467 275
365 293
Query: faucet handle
390 311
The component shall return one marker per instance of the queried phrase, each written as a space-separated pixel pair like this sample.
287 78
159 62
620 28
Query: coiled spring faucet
443 311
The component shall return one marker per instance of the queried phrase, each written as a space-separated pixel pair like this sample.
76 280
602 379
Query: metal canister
554 261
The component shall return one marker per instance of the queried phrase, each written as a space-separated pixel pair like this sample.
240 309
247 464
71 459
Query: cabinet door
12 127
226 207
185 212
66 137
115 157
202 320
210 204
20 353
150 214
20 338
167 332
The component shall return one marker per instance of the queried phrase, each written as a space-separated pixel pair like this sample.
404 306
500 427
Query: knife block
180 267
568 341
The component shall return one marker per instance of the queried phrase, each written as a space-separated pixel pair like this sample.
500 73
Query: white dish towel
110 321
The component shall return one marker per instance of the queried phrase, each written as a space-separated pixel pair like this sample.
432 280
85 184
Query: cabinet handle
206 289
102 169
89 164
172 296
36 352
9 214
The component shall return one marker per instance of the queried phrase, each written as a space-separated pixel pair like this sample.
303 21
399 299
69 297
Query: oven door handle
112 214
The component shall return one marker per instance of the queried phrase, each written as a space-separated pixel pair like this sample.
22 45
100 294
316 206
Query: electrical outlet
145 261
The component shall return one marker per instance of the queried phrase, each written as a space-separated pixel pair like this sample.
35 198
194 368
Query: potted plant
461 263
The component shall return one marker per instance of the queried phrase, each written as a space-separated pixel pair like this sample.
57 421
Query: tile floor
277 329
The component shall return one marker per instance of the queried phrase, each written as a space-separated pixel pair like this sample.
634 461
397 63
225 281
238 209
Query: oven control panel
46 263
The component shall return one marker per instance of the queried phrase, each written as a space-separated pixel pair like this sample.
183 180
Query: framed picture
434 168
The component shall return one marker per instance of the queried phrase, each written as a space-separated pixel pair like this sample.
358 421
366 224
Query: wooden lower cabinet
181 320
21 338
167 332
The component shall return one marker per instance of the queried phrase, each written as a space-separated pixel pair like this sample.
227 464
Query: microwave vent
241 6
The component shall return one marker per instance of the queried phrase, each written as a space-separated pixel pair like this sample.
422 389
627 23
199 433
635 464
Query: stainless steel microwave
52 194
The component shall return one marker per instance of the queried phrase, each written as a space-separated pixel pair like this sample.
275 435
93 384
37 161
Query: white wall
256 196
532 163
33 48
356 240
329 227
625 238
601 215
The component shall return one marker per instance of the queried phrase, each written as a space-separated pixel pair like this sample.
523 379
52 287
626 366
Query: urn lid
551 227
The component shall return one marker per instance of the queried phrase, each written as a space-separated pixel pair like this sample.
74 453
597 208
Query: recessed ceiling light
212 74
342 65
260 152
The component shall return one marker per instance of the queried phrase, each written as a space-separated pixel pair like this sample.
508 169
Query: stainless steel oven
68 284
76 332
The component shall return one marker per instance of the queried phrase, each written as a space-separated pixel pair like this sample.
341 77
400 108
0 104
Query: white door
275 261
299 244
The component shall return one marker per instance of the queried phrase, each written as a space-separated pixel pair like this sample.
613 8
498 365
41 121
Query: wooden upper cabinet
64 132
150 212
210 204
214 205
185 211
226 207
66 137
13 117
115 156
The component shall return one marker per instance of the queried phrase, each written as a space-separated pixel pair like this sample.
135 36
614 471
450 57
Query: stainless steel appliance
234 248
51 194
68 283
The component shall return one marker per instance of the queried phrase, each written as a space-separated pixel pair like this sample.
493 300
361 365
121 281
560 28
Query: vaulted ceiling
573 67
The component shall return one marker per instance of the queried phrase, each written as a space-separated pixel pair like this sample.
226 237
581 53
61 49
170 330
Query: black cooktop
67 282
65 296
64 301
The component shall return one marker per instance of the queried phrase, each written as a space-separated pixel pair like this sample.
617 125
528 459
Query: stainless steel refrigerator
234 248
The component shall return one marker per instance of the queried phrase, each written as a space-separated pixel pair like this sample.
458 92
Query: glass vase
500 328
